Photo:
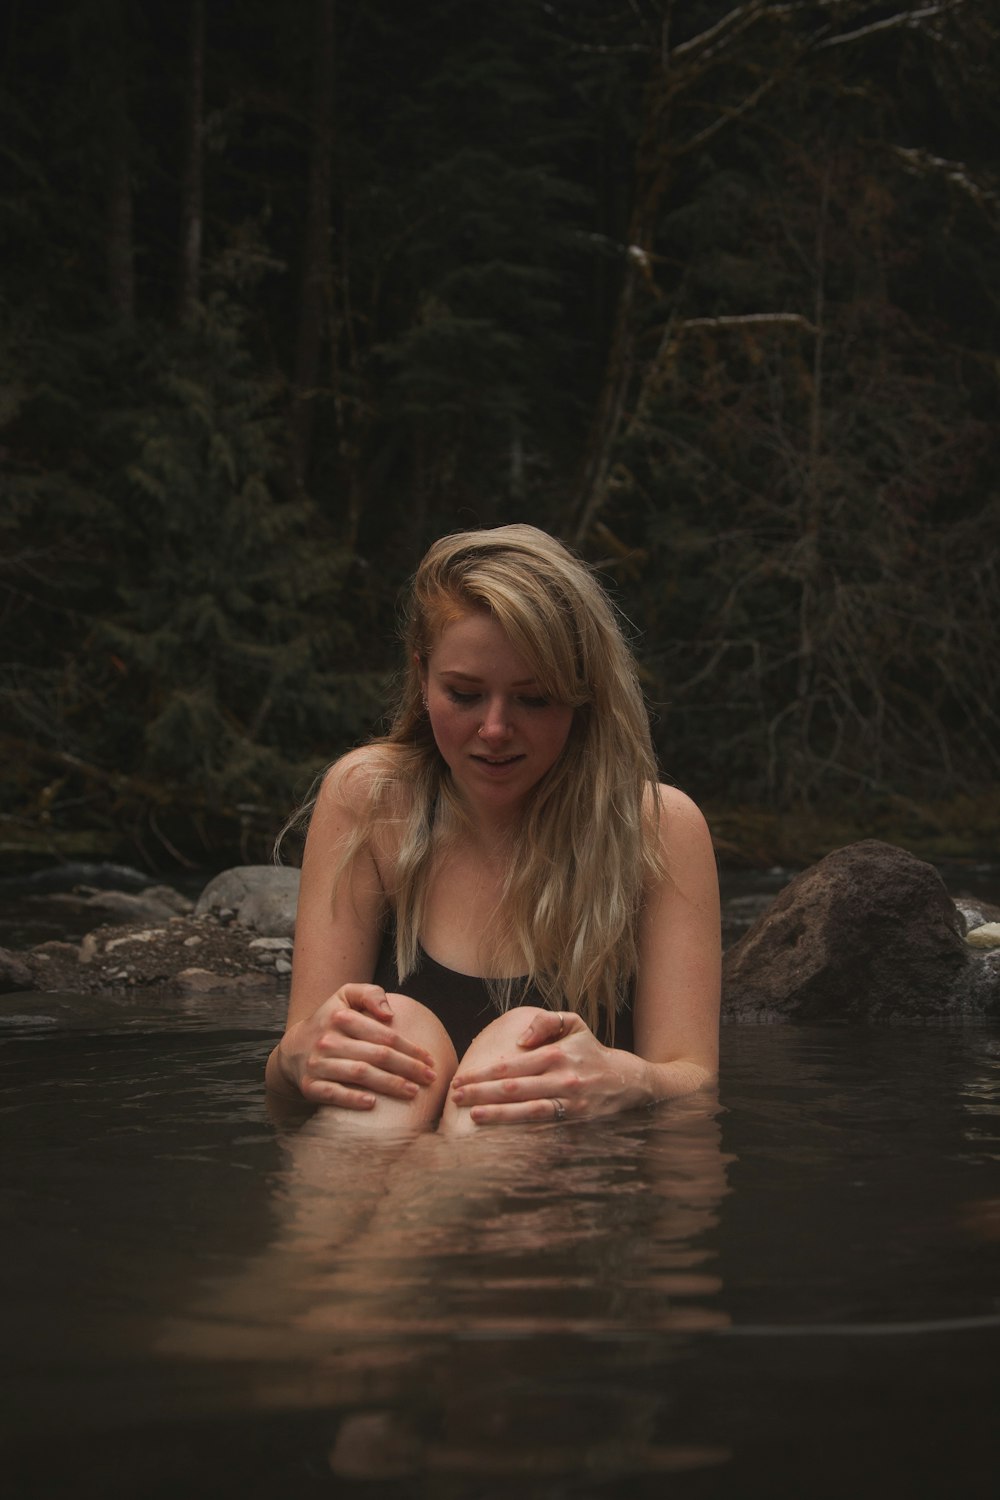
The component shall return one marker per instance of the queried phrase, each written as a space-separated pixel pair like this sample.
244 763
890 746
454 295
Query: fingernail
410 1089
458 1095
429 1075
525 1037
385 1007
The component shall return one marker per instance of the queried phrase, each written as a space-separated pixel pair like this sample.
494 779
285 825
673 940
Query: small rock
203 979
55 948
193 940
14 973
146 936
89 948
986 936
975 912
271 944
282 966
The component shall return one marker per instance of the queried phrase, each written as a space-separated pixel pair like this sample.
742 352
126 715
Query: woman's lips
497 762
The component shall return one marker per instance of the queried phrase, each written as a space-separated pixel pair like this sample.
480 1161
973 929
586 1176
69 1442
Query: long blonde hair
588 841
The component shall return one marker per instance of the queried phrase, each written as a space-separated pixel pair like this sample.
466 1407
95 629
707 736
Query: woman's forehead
475 641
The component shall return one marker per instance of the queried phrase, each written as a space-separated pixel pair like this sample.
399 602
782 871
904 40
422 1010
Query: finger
326 1091
356 1073
362 1028
514 1090
527 1065
369 997
551 1026
379 1057
533 1112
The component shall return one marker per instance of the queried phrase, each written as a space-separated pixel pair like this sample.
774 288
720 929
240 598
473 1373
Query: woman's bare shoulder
682 828
367 790
359 779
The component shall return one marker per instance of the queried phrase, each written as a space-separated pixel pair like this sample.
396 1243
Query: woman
502 917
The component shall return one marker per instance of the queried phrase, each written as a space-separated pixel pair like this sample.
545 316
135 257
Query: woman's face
493 725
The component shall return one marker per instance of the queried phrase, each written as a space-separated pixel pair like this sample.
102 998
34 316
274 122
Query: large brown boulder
868 933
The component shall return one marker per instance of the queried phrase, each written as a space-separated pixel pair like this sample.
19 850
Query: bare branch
742 320
903 20
919 161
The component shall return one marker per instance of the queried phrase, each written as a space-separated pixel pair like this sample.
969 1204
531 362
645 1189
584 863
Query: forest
708 289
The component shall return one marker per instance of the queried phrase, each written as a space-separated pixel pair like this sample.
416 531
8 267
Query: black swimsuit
462 1002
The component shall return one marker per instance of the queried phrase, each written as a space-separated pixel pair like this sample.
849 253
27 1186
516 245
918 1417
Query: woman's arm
339 1045
678 988
556 1057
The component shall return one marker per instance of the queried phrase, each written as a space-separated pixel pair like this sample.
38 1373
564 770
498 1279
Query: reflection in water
439 1295
202 1307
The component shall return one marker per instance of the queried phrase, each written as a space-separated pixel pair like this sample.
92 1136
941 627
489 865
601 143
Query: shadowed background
708 290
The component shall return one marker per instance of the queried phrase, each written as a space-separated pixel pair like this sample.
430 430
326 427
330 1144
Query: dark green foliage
553 240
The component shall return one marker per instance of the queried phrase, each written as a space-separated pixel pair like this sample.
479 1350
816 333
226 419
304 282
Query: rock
56 948
205 981
986 936
976 913
263 897
146 935
739 914
67 877
981 989
868 933
155 904
87 951
14 973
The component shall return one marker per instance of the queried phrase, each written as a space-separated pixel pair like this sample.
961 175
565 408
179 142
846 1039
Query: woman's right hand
348 1052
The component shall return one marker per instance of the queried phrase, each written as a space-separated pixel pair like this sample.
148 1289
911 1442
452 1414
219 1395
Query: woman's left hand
560 1071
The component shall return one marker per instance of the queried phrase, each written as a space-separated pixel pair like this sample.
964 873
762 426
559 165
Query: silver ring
560 1111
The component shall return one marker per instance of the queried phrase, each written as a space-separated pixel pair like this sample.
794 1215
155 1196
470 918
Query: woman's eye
535 702
464 698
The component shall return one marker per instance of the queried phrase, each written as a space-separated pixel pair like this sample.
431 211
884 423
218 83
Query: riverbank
962 830
959 830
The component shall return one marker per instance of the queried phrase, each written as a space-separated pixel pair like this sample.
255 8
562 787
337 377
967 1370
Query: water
788 1290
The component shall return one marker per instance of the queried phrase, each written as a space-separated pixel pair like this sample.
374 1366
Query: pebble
134 937
987 936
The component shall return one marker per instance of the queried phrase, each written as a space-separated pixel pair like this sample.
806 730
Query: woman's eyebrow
471 677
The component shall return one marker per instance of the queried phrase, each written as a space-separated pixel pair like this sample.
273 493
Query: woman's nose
496 724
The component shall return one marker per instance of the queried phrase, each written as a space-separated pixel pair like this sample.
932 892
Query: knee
413 1022
502 1035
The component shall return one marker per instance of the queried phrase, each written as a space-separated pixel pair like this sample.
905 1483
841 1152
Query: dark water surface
792 1290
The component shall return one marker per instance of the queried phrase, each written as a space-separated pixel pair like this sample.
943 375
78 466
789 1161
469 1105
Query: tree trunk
651 175
192 177
316 267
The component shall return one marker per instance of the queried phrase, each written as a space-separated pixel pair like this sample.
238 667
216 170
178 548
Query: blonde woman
503 917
